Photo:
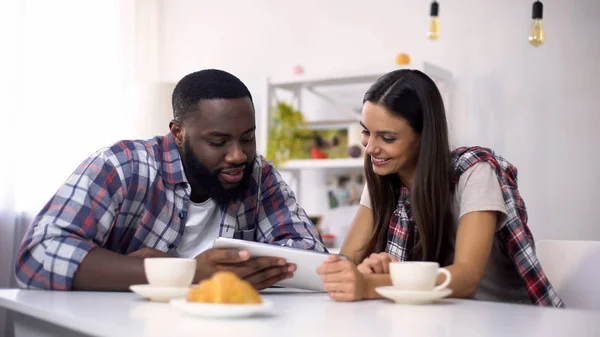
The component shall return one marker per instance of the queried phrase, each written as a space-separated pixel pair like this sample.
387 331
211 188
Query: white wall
535 106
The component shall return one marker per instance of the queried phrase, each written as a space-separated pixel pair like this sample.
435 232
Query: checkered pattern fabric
515 234
134 194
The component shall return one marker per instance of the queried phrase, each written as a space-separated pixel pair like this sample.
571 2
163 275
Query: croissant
224 287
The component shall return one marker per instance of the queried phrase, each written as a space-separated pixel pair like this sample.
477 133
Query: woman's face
390 141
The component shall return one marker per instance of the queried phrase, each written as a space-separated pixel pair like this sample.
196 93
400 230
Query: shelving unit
297 85
295 88
302 164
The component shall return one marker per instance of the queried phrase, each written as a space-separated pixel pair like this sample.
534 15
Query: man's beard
201 175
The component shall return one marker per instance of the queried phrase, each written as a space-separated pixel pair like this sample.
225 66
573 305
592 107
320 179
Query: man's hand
149 252
261 272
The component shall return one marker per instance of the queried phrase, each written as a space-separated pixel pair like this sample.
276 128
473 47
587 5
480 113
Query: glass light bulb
434 28
536 33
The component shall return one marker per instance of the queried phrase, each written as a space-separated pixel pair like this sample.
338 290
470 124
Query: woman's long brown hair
412 95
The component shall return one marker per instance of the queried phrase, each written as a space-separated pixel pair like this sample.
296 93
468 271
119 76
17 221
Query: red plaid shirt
134 194
515 234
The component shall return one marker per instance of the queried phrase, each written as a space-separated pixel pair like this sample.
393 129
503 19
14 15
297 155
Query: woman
423 202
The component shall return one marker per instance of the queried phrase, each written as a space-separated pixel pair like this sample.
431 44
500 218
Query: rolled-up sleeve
75 220
281 220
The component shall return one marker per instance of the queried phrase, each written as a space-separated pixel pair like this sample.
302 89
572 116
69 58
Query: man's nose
235 154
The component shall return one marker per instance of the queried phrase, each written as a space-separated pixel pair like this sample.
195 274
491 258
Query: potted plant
286 129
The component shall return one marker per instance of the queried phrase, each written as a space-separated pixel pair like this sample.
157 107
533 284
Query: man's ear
177 132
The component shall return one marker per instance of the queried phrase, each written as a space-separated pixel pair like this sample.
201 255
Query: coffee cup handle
446 280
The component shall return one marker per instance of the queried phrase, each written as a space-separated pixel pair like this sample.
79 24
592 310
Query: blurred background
77 75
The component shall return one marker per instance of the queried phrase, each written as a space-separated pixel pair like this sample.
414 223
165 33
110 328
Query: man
170 196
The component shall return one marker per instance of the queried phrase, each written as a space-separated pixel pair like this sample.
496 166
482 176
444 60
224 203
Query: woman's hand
377 263
343 281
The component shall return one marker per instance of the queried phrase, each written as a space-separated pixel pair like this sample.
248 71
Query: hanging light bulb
536 33
434 25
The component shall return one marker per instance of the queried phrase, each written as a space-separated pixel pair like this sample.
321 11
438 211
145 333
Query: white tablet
306 261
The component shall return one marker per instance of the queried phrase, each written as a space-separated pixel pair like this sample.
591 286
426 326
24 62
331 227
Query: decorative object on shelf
321 144
343 92
355 140
433 33
319 164
345 190
286 127
402 59
317 150
537 36
298 70
328 240
354 151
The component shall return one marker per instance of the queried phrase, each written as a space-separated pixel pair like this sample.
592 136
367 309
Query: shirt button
181 215
171 246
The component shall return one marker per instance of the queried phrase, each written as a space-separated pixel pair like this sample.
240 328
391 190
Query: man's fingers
246 268
267 277
137 253
148 252
216 255
272 281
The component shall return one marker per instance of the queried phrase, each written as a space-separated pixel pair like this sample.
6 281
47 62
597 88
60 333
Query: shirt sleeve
478 189
365 199
75 220
281 220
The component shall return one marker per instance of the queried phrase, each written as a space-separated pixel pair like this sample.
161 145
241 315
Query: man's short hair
205 85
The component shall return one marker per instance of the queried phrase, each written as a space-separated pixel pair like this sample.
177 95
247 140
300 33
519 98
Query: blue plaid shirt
134 195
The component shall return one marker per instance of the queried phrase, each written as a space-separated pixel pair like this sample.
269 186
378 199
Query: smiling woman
423 201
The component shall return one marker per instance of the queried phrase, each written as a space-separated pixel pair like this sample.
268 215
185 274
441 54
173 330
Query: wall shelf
341 92
302 164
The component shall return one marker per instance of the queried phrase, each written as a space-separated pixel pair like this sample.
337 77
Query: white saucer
214 310
158 294
412 297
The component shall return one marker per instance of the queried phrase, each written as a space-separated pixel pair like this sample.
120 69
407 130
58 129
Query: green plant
286 129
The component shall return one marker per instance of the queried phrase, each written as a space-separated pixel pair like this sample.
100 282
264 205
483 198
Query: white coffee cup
418 276
169 271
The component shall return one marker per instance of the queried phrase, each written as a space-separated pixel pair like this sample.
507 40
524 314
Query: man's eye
248 138
217 144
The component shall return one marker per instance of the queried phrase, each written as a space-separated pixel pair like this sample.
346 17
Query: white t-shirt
478 190
201 228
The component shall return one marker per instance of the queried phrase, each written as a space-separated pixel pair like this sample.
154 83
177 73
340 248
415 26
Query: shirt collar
172 167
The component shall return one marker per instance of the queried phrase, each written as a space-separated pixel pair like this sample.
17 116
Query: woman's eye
365 132
388 140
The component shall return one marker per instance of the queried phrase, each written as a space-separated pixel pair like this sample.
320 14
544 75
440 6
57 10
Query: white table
66 314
